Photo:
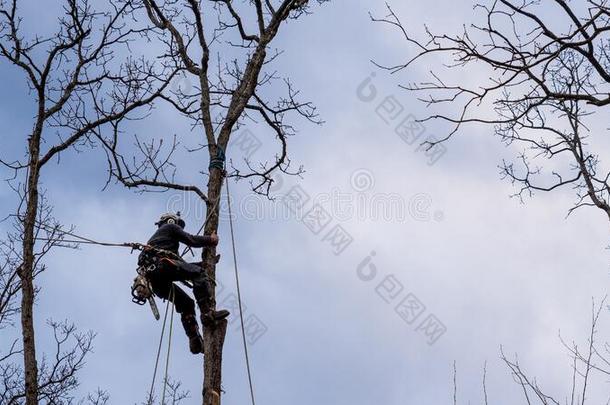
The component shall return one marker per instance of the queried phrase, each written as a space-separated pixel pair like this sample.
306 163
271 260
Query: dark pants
162 280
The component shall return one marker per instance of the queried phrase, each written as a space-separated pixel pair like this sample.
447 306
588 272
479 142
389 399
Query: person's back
166 238
169 236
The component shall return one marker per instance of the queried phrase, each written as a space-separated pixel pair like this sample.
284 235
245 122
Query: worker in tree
169 268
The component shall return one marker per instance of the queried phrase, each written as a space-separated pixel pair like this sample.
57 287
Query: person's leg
163 286
161 281
190 272
202 290
183 303
160 285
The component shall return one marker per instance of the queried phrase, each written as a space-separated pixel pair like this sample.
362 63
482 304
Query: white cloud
494 271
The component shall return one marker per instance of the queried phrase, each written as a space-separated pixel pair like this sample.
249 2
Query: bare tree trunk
67 85
27 271
233 91
212 368
213 334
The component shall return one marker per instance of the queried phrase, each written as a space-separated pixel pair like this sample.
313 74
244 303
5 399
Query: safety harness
150 259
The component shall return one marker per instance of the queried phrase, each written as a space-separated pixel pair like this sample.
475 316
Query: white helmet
170 218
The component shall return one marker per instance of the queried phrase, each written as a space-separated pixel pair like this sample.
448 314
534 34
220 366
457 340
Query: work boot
208 314
189 322
214 316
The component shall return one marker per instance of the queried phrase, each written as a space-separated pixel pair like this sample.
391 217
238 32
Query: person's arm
195 241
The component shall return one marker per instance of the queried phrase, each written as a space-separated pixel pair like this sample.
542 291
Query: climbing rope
77 239
169 344
241 312
152 384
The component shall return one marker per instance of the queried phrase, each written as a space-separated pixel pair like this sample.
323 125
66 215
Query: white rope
169 344
241 312
152 385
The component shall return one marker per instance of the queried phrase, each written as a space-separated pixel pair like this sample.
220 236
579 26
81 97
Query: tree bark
213 334
214 338
27 270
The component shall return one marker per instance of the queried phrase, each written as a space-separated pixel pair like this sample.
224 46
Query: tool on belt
141 289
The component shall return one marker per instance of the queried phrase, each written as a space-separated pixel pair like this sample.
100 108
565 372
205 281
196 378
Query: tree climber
169 268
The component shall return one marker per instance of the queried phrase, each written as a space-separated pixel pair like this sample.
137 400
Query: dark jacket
169 236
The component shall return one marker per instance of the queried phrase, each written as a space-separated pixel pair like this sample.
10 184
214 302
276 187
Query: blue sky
494 271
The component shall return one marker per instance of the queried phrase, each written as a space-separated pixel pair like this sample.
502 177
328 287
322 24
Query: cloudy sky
488 270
